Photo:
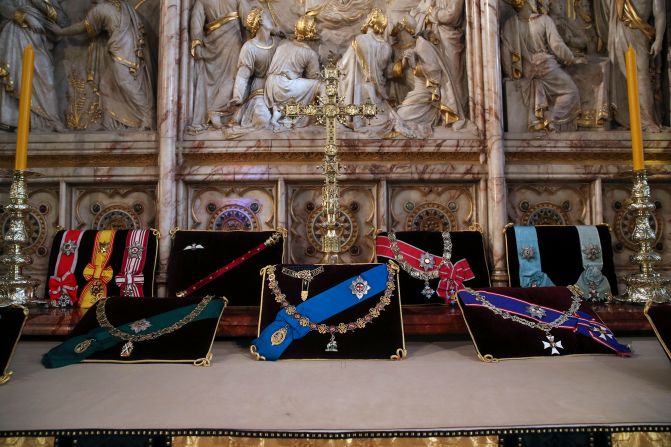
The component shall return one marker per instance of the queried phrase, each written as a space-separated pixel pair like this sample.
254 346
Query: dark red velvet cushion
242 284
380 339
560 253
467 245
497 338
12 319
85 251
659 316
187 344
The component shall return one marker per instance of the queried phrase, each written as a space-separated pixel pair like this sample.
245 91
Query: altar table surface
441 385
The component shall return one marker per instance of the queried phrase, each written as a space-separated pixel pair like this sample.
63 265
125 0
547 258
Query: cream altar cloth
441 385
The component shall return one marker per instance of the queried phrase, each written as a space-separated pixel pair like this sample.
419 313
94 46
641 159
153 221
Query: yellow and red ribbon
97 272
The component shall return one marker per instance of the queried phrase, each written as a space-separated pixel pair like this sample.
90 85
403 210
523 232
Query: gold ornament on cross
329 109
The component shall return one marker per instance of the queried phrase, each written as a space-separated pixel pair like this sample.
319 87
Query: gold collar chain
305 275
332 329
143 324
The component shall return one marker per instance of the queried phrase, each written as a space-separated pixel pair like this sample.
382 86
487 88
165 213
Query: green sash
79 348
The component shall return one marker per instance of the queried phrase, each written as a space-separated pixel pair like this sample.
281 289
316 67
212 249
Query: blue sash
580 322
529 258
592 283
318 308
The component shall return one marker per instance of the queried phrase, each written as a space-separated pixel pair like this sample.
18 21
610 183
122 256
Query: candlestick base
16 288
646 285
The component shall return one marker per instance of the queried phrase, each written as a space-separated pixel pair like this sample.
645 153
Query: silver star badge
552 345
602 332
135 251
426 261
536 311
592 252
140 325
527 253
69 247
359 287
428 292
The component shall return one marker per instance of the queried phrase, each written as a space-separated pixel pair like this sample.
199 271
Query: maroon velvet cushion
12 319
85 252
497 338
468 245
659 316
560 253
188 344
382 338
196 254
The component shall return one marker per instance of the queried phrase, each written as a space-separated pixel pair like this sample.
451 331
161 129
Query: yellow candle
634 111
24 109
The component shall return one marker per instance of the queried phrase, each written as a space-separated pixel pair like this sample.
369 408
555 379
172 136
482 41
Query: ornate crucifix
328 111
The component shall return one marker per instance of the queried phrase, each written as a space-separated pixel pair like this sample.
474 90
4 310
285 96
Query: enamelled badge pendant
553 345
359 287
127 349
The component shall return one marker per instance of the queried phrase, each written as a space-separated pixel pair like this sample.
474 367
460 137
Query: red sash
451 276
131 279
63 284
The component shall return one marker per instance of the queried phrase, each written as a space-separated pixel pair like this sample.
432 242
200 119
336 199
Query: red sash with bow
63 284
131 279
451 276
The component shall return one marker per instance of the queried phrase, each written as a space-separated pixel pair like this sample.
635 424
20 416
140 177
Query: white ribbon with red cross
131 279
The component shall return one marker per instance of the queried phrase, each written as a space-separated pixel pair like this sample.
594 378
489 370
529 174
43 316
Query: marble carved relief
96 74
115 207
409 58
546 85
232 208
549 204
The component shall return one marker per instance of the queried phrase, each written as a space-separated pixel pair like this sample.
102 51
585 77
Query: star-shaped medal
528 253
140 325
426 261
135 251
552 345
428 291
592 252
68 248
536 311
359 287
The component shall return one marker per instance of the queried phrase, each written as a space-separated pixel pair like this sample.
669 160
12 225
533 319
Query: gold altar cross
329 110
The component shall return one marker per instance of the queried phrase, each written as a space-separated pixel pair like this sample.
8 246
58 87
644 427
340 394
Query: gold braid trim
90 31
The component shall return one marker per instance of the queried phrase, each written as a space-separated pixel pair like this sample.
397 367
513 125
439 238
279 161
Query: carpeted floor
441 385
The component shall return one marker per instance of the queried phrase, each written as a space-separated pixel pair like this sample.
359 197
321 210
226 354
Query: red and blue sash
580 322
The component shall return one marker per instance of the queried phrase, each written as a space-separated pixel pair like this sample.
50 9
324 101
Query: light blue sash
529 258
317 309
592 283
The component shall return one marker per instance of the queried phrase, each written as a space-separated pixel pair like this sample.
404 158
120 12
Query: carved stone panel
231 207
616 198
357 219
42 224
439 207
549 204
114 207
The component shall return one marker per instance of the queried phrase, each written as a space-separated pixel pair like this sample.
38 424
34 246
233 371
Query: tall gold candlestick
634 111
24 109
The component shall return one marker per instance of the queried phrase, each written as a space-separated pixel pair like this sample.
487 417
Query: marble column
496 182
167 108
597 205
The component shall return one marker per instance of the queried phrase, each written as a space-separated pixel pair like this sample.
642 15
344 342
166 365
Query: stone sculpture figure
253 63
531 51
402 80
216 40
294 71
441 22
118 65
364 67
629 25
28 22
432 101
